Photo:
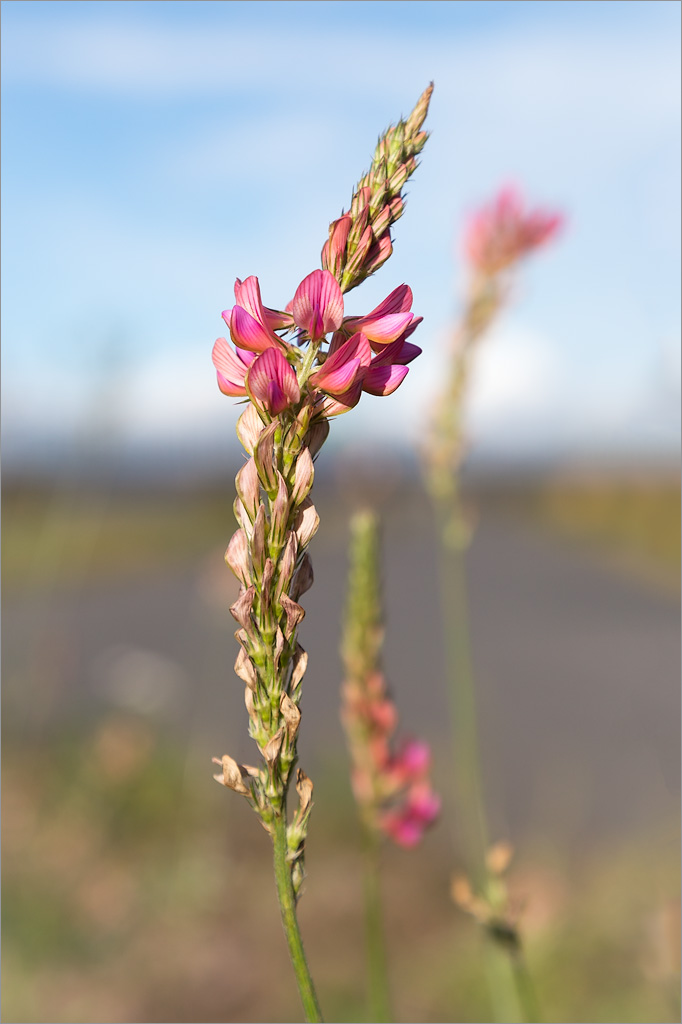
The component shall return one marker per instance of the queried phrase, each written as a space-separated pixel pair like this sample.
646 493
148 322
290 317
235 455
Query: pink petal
272 381
248 333
230 389
276 320
226 315
336 380
231 368
386 328
332 406
399 301
318 304
383 380
247 294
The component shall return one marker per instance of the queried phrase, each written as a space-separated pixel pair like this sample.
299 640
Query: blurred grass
131 893
71 537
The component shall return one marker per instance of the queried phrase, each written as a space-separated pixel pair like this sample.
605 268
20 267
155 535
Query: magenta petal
407 353
333 406
272 381
386 328
248 333
383 380
399 301
247 294
337 380
276 320
318 304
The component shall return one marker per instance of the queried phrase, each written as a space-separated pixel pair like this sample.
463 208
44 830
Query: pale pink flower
272 382
318 304
231 366
503 232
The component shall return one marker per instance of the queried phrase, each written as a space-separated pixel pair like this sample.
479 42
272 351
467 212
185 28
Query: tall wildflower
498 237
390 781
297 368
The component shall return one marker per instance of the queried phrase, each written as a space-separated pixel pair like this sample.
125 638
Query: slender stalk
525 990
287 905
377 963
472 817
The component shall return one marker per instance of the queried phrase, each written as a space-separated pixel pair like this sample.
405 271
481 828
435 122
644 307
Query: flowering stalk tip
360 239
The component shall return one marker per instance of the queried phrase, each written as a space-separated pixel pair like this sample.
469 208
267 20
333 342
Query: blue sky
152 152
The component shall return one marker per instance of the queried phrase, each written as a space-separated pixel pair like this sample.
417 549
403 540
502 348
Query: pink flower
502 232
231 366
318 304
388 321
272 383
345 361
407 823
251 324
412 762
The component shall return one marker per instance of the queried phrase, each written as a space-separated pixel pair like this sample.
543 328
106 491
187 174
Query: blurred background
152 153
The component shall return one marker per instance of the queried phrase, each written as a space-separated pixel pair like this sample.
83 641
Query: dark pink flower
231 366
272 382
318 304
388 321
346 359
503 232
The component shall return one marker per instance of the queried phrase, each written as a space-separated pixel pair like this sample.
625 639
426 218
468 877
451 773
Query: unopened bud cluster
360 240
390 782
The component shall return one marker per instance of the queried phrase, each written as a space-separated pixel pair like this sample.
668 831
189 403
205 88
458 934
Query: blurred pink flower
503 232
407 823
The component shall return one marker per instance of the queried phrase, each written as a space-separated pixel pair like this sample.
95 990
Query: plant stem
469 785
379 993
462 698
287 904
524 988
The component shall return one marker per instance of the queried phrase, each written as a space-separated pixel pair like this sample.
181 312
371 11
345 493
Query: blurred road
577 669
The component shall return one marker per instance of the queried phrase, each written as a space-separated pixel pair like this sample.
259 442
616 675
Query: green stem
287 904
462 698
377 966
525 990
468 781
